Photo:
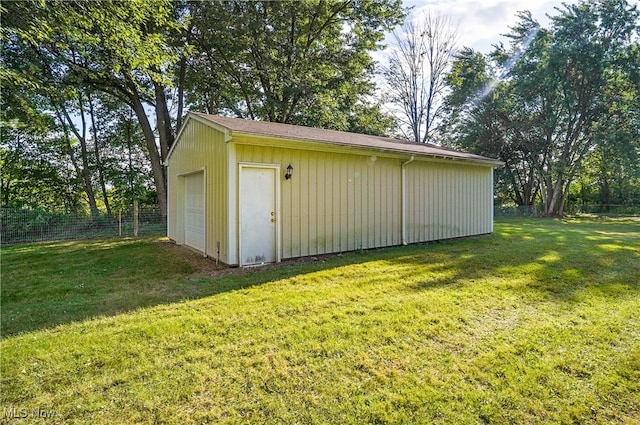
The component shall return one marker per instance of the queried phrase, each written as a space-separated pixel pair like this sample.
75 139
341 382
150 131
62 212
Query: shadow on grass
557 258
50 284
45 285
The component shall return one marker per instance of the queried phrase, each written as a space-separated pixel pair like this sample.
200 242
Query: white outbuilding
253 192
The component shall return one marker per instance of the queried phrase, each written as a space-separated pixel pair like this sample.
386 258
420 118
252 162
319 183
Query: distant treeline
94 93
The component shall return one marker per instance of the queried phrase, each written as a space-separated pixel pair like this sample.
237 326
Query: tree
126 167
552 94
614 164
476 106
562 80
298 62
33 170
289 61
415 76
121 49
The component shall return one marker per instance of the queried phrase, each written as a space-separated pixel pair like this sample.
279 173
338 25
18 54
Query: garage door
194 201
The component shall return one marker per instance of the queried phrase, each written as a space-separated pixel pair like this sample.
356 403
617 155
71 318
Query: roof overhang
253 139
381 146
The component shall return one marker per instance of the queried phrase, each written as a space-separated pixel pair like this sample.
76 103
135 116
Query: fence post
120 223
135 218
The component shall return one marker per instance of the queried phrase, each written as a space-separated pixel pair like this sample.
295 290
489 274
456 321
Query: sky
481 22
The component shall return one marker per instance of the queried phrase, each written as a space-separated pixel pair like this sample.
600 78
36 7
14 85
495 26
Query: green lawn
538 323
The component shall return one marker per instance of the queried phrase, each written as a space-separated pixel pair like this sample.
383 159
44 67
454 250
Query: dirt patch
206 267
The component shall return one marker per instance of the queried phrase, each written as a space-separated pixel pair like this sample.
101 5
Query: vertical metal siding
334 202
447 200
200 147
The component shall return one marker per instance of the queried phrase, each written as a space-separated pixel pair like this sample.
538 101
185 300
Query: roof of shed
341 138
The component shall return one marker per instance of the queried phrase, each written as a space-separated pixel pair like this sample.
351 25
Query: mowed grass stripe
538 323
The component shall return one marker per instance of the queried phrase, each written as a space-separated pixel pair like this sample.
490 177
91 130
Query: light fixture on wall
289 172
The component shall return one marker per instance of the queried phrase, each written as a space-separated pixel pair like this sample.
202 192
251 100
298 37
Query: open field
537 323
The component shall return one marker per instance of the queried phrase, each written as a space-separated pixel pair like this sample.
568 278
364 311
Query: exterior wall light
289 172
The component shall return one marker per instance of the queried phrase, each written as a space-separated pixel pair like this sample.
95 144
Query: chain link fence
515 211
36 225
525 211
607 209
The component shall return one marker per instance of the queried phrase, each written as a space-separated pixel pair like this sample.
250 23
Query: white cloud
482 23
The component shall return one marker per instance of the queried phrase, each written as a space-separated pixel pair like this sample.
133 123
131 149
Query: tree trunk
132 193
157 166
605 191
83 171
554 201
182 70
86 179
165 132
6 190
96 144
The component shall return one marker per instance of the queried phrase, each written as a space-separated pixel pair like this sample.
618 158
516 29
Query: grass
538 323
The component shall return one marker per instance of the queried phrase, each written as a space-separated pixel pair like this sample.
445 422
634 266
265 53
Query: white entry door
258 215
194 202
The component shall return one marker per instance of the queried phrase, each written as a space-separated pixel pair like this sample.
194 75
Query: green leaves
304 62
282 61
553 104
